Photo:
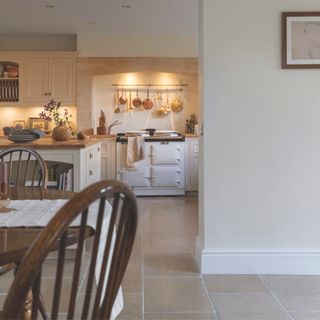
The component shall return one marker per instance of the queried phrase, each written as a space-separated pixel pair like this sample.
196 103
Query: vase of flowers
52 112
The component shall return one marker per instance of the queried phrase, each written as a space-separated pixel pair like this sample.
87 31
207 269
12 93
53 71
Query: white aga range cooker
162 170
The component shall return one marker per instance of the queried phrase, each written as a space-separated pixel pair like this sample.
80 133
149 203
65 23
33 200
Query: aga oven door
165 177
166 153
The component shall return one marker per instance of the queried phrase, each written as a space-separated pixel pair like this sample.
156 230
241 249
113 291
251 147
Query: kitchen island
84 155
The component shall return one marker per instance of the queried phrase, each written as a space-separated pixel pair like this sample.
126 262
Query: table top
15 241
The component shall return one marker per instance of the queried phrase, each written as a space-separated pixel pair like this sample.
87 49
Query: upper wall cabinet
47 78
9 80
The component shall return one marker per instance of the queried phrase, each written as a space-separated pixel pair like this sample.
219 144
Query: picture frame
21 123
38 123
300 40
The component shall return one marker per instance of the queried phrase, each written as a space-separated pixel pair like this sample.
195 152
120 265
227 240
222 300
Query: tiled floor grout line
208 295
275 296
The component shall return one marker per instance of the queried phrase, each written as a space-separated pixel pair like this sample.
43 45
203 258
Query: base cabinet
192 164
86 163
108 159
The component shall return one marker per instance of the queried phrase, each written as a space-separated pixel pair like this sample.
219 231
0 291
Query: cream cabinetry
108 159
11 66
86 163
48 77
192 164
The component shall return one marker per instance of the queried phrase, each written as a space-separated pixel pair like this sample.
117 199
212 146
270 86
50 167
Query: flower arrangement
51 112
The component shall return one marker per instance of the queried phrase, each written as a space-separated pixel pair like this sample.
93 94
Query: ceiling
76 16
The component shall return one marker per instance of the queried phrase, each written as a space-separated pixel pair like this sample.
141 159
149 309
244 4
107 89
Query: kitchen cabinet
49 77
108 159
192 164
84 155
86 163
10 80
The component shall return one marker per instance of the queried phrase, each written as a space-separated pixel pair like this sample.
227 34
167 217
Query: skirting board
299 263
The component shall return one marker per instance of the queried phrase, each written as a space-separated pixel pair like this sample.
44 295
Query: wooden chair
120 237
26 167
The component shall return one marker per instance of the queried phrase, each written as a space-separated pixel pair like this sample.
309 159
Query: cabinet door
61 80
36 81
108 160
192 164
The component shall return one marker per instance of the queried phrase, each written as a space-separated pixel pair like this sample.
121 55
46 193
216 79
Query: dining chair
25 167
113 243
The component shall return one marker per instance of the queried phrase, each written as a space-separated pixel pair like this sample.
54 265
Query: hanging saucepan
147 103
137 102
177 104
123 98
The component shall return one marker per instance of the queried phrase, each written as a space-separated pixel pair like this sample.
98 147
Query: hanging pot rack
130 86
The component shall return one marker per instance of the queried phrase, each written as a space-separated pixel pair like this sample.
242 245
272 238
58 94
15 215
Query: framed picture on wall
38 123
300 40
21 124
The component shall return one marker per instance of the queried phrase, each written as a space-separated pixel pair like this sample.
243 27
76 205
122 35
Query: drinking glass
4 189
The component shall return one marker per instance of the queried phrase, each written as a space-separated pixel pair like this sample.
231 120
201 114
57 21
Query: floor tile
165 245
180 316
162 224
170 265
175 294
234 283
305 315
132 281
297 293
243 306
132 307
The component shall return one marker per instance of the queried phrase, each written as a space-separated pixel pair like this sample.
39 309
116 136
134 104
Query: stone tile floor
163 282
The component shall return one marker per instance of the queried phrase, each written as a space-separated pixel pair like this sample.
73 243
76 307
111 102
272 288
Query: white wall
261 146
104 98
137 45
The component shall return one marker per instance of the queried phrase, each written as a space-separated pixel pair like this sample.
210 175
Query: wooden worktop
48 143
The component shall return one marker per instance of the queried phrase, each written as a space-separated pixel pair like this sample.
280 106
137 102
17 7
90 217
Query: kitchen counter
48 143
103 136
191 135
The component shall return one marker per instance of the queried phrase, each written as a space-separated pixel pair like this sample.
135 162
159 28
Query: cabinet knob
46 93
91 156
98 149
90 172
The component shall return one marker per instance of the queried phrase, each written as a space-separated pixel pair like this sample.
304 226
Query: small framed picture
21 124
300 40
38 123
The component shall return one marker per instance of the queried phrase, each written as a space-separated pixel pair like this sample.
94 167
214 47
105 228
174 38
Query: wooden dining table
14 242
